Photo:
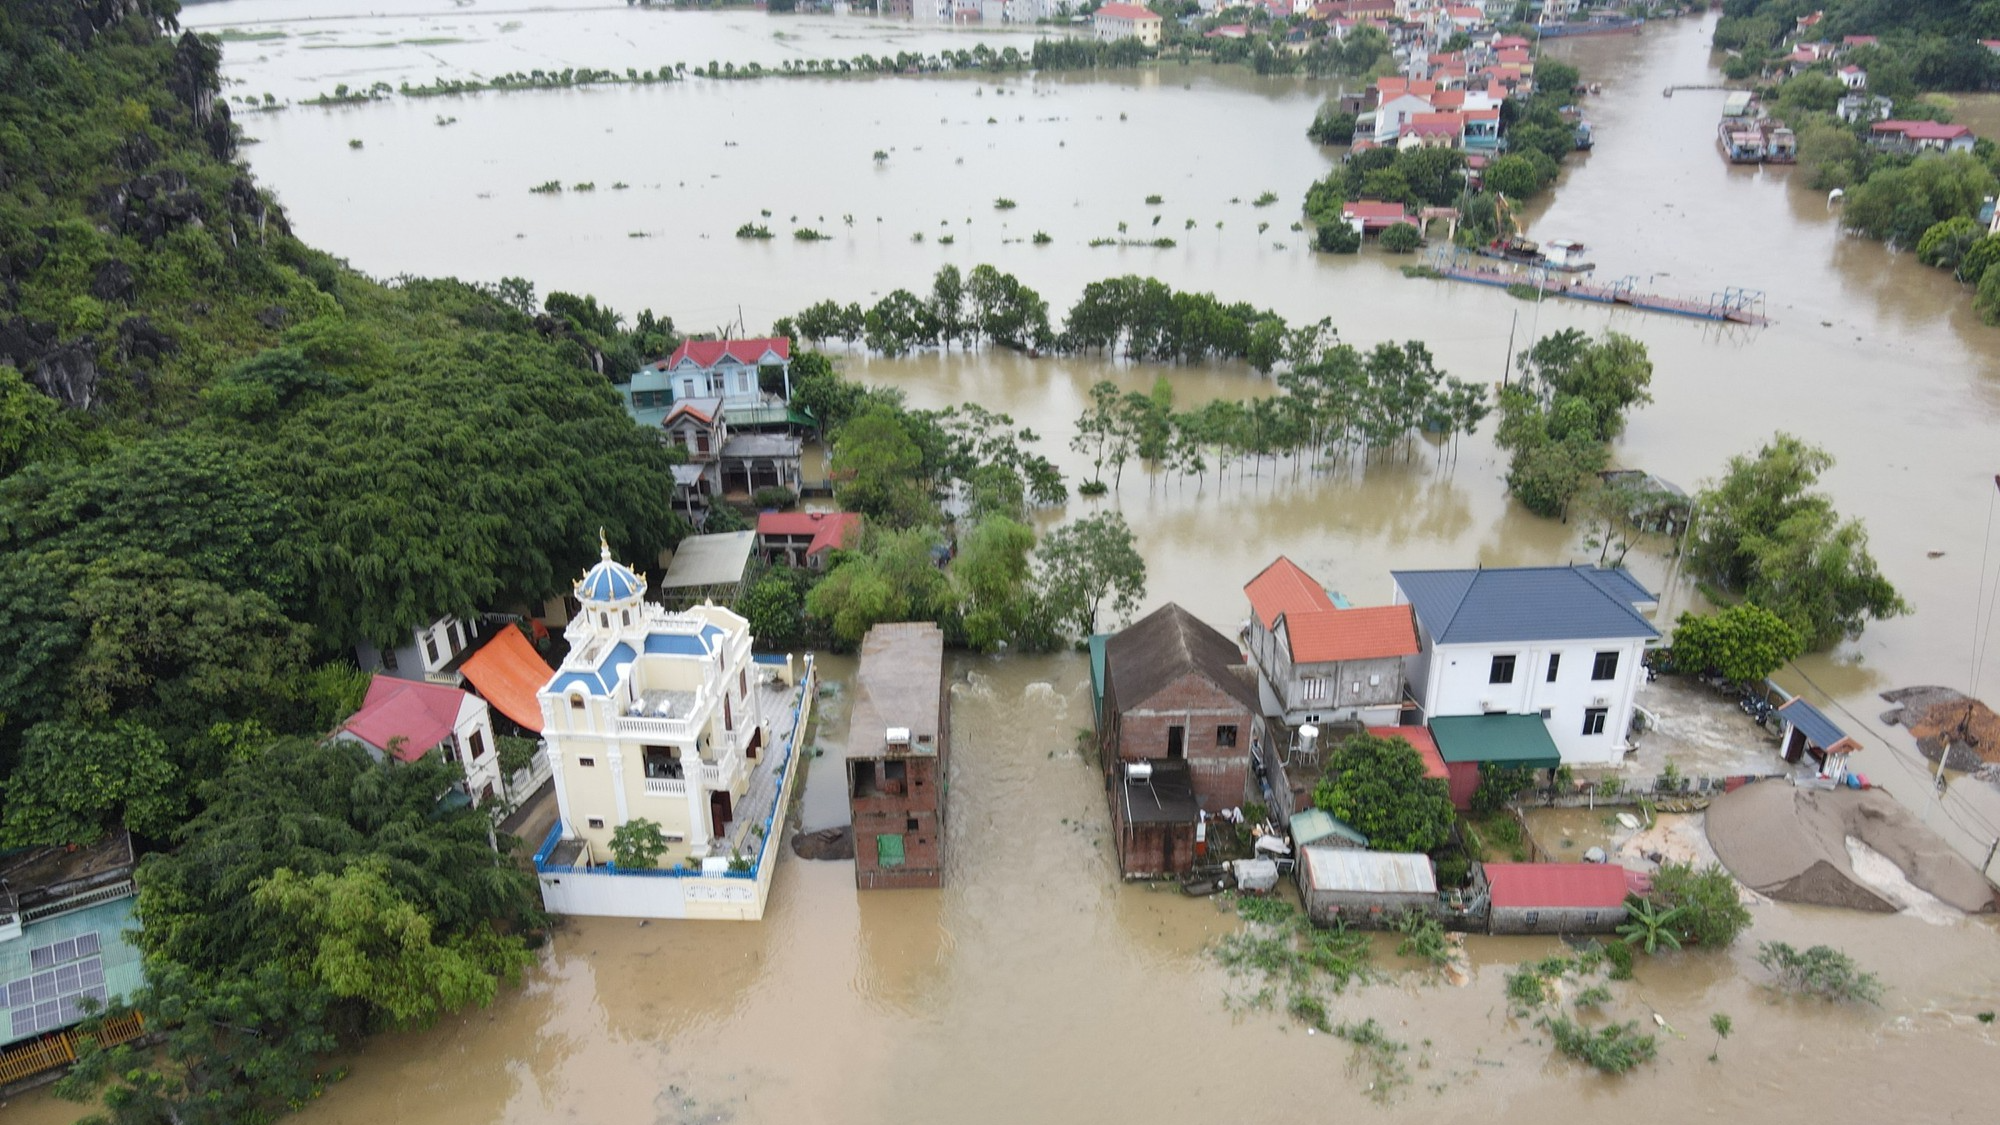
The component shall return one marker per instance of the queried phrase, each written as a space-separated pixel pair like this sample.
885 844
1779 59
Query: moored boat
1742 143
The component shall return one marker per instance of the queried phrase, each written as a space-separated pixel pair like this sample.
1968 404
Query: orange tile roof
1283 588
1369 633
1426 747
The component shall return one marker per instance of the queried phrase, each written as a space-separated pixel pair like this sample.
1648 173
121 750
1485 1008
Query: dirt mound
827 843
1791 844
1944 721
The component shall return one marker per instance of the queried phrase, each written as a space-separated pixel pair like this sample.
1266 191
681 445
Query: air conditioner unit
1600 701
1487 706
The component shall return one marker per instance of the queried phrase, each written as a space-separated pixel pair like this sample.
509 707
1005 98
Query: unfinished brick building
1178 720
898 750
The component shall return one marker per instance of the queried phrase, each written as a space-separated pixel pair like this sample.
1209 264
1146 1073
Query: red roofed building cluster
805 538
1919 136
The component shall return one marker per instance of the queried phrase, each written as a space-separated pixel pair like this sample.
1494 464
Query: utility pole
1507 368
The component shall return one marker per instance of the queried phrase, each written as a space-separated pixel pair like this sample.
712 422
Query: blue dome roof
609 581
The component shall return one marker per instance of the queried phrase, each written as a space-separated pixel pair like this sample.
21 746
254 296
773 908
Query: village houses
1127 21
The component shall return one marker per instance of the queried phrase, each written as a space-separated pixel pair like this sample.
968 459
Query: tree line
947 495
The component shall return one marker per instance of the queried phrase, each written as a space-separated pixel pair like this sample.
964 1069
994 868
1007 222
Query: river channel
1035 987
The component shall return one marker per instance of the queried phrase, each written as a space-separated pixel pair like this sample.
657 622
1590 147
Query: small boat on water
1559 254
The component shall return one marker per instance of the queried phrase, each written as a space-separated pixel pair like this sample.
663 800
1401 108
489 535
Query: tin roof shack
1369 889
1809 732
1178 702
898 750
1555 898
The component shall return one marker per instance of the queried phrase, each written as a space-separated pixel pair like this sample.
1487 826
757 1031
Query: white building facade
1566 643
654 715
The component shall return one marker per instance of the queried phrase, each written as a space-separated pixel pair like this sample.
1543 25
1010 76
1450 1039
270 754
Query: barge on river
1732 305
1559 254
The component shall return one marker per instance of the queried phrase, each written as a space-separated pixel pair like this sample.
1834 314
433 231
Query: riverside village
1442 548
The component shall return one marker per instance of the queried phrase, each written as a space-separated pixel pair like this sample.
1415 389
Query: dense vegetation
1929 46
1764 534
225 459
1377 785
1570 401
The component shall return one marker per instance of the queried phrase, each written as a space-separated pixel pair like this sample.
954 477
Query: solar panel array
52 998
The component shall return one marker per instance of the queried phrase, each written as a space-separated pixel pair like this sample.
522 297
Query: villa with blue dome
654 715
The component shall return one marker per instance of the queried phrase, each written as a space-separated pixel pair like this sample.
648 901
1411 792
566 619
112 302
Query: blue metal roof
1814 724
608 581
588 681
607 669
1526 603
678 644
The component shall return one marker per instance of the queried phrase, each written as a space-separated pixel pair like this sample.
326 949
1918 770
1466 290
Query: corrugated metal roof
1505 740
709 560
1557 885
1347 869
1527 603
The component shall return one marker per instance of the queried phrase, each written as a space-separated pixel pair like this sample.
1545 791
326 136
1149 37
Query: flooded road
1035 986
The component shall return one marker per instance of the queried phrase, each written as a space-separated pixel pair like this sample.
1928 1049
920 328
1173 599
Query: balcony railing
666 787
666 729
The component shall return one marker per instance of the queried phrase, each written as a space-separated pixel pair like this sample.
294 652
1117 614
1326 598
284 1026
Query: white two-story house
1318 662
730 370
1566 643
654 715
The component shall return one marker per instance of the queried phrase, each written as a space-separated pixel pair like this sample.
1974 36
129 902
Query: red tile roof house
726 369
1554 898
1369 216
805 538
1920 136
405 720
1318 664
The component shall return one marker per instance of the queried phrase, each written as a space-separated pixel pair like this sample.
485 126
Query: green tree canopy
1088 565
1765 533
1744 643
1378 786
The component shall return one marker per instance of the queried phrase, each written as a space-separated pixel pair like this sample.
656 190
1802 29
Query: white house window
586 762
1313 688
603 620
625 616
1593 719
477 745
1555 661
576 703
1605 667
596 822
1502 671
430 648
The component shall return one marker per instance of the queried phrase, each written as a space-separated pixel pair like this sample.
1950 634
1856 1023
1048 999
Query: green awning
1504 740
889 850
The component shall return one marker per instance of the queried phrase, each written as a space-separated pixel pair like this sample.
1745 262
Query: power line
1985 830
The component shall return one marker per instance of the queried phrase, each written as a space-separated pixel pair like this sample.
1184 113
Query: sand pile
1938 716
1791 844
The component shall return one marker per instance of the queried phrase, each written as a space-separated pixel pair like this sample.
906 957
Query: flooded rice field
1036 986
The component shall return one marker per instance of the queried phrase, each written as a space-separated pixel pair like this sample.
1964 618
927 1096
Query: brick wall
1199 707
916 814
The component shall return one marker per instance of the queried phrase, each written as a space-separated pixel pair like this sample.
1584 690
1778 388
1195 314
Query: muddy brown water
1035 986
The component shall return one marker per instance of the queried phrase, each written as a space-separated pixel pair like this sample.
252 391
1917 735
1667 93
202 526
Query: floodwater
1035 986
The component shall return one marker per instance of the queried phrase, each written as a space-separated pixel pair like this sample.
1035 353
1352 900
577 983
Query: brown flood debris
1947 722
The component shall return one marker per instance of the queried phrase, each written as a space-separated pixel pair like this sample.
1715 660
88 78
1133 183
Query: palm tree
1647 926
